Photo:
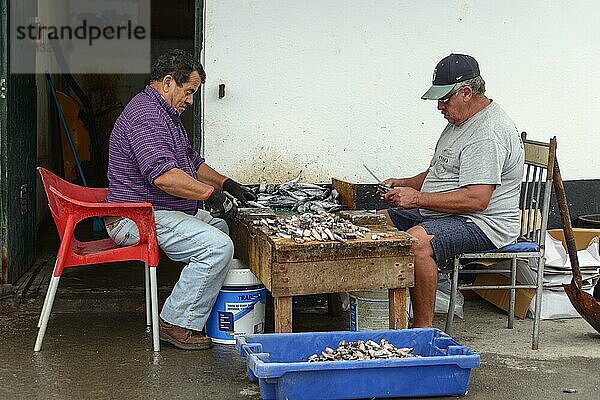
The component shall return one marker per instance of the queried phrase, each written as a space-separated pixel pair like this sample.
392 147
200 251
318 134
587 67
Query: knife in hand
380 185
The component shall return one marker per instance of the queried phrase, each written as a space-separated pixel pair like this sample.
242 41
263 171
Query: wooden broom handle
561 199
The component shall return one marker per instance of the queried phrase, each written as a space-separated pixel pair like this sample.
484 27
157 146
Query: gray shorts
452 235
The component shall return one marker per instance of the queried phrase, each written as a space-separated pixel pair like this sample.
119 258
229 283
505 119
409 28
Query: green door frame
3 133
197 134
18 157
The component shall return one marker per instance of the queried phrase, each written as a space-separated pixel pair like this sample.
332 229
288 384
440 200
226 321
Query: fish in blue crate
279 363
361 350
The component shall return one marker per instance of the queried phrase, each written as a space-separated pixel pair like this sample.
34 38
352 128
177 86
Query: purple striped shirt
149 139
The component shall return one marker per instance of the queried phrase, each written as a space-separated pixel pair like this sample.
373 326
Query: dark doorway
18 143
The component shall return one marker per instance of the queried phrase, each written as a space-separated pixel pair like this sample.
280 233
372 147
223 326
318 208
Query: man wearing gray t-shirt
468 198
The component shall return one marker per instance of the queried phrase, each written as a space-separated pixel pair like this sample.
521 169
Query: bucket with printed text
369 310
240 306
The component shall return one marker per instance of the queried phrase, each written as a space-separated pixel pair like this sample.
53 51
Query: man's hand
393 182
403 197
221 206
240 192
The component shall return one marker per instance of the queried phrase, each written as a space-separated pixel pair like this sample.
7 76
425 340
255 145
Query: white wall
324 86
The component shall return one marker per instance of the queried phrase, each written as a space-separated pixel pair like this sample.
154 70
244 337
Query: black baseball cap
451 70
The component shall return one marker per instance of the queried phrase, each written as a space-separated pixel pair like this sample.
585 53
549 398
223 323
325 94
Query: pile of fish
309 226
361 350
301 197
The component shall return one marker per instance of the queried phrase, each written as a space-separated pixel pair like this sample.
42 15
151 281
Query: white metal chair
534 205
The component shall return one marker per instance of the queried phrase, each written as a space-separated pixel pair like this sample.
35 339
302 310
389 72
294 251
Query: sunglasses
446 99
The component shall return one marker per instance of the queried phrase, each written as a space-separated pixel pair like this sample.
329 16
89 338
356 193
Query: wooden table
288 269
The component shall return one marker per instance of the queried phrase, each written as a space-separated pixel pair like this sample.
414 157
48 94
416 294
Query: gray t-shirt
485 149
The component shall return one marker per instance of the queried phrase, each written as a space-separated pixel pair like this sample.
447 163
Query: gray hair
476 84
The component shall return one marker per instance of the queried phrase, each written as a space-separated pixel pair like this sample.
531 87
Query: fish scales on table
315 226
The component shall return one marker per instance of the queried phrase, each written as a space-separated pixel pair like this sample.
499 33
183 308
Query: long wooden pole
563 207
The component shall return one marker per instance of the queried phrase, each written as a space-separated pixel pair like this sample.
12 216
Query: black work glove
240 192
221 206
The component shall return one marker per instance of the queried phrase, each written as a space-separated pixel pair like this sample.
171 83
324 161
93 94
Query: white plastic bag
442 297
555 253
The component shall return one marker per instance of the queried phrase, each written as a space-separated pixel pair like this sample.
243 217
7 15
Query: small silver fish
361 350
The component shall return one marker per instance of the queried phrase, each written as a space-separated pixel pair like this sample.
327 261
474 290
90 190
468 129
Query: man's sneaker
183 338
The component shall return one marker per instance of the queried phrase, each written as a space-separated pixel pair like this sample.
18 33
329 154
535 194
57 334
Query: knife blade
380 185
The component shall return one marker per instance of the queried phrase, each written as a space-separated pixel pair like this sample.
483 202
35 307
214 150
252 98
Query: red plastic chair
69 205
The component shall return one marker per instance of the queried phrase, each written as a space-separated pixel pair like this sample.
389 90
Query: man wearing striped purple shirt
151 160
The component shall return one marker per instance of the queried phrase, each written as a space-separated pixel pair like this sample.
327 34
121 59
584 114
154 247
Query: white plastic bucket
240 306
369 310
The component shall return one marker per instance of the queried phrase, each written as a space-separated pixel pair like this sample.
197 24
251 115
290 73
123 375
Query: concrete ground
96 346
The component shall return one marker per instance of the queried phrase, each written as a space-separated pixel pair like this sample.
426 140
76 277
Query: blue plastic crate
277 361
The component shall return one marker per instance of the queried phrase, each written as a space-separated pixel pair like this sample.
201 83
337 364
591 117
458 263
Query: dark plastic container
588 221
277 361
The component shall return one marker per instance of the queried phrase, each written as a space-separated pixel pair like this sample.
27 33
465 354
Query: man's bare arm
472 198
209 176
179 184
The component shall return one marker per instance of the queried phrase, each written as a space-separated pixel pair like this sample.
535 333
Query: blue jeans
200 241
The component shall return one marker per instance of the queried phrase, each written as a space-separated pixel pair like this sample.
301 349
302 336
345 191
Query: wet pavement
96 346
107 355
